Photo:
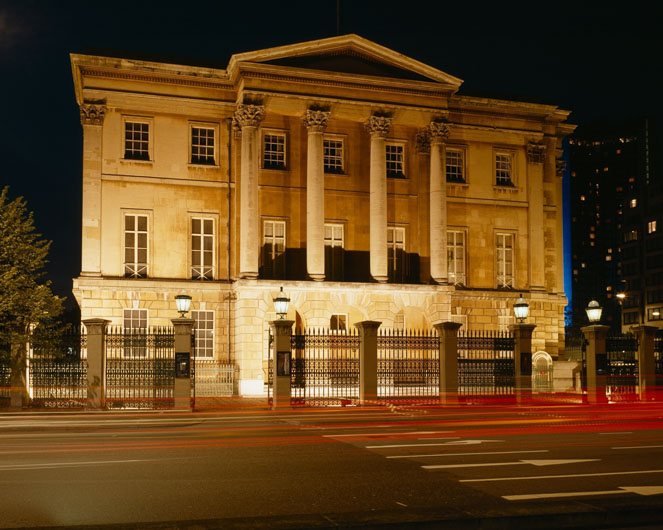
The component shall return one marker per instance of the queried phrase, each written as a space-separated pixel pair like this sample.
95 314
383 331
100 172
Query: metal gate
140 368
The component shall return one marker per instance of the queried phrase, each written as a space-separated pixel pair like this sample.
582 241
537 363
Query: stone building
360 180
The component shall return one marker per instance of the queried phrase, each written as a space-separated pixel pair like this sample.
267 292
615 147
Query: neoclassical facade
362 181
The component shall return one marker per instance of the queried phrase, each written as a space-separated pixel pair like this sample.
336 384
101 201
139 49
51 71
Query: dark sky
601 61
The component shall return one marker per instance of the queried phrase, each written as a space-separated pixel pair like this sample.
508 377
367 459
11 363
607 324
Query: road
559 465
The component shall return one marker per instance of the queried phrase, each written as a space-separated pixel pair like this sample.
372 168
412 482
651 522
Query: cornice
163 78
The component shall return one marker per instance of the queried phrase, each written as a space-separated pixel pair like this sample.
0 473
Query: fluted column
439 132
92 120
315 121
378 127
248 117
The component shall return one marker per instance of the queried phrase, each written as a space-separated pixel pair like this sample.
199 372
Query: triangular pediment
347 54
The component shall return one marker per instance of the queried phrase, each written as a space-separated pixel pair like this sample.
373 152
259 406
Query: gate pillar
281 362
18 393
448 333
646 362
368 359
597 362
183 350
522 359
96 362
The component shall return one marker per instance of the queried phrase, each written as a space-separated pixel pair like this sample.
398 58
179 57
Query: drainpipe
230 126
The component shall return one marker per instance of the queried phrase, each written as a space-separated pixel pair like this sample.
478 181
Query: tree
26 298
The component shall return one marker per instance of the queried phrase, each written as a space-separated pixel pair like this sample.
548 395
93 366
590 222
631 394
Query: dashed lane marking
564 476
471 454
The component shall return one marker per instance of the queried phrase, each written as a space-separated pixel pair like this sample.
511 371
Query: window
334 252
136 140
203 332
630 235
456 255
651 227
504 169
135 332
135 246
333 155
338 322
396 253
505 277
455 164
202 248
274 151
633 203
273 250
631 318
202 145
395 159
654 313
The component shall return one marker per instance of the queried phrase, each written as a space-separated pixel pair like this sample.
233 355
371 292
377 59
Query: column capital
560 167
247 115
536 153
316 120
423 141
439 132
379 125
92 113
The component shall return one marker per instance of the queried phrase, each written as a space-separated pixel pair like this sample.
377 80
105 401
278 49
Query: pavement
644 510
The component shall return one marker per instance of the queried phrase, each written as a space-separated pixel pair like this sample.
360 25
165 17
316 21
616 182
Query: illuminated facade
360 180
616 214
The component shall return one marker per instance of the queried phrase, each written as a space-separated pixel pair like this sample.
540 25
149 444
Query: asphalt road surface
451 467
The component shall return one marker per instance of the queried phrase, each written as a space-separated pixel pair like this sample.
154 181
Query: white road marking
520 463
640 490
465 454
563 476
390 434
53 465
617 432
456 442
639 447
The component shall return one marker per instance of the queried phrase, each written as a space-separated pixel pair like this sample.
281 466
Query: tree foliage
26 298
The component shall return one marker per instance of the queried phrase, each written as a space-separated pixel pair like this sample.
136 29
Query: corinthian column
248 117
92 120
378 127
315 121
536 157
439 132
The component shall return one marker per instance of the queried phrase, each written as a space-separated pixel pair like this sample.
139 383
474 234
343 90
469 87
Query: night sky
601 62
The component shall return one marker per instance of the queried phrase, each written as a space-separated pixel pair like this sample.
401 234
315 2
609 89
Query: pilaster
536 155
92 120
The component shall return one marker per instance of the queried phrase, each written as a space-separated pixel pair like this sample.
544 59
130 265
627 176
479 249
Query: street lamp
183 303
521 309
594 311
281 304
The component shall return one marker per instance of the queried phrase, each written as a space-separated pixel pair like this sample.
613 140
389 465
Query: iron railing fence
408 363
622 369
325 366
658 358
212 378
57 367
486 363
140 368
574 347
5 379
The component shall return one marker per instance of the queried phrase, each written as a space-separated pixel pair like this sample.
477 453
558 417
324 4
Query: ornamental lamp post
183 303
281 304
594 311
521 309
